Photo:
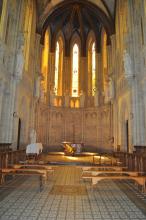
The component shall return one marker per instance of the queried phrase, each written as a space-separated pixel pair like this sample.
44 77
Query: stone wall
17 70
91 126
129 75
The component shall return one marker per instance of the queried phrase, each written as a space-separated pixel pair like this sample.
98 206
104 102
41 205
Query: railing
11 157
133 161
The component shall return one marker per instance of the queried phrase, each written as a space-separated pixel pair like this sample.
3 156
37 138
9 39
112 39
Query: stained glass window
56 67
93 68
75 70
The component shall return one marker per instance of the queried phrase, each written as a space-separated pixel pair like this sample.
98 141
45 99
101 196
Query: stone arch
75 39
91 37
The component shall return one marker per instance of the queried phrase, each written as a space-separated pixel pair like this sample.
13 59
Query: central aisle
67 197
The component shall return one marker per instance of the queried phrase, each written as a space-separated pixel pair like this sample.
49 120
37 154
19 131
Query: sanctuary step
86 148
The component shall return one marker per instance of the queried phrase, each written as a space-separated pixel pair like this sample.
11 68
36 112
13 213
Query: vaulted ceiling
79 16
108 6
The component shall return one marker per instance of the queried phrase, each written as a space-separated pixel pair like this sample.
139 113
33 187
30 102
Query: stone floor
67 197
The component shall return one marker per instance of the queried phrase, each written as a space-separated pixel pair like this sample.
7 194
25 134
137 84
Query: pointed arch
75 64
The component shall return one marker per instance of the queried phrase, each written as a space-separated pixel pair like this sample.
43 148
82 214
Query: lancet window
75 70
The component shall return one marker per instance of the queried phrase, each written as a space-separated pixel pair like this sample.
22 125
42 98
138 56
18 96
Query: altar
71 148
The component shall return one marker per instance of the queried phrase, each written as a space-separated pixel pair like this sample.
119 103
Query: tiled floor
67 197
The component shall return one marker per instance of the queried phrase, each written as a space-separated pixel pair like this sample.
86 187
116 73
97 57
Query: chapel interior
72 109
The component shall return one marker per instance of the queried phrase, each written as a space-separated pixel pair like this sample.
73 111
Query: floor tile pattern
105 201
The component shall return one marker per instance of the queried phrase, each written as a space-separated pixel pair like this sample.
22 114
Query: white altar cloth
35 148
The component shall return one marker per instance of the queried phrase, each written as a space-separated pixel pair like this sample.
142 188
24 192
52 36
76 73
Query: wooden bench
141 180
94 168
43 173
46 168
5 172
24 170
31 165
99 172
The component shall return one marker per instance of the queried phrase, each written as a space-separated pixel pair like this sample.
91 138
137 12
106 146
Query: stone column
115 125
138 115
113 53
100 78
97 71
5 115
1 96
38 55
12 99
4 20
67 75
83 85
37 77
51 73
109 60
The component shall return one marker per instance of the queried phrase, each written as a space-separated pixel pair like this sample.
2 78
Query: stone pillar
37 78
109 60
51 73
97 71
113 53
4 19
115 124
100 78
1 96
83 85
38 55
5 115
11 108
138 116
51 69
67 75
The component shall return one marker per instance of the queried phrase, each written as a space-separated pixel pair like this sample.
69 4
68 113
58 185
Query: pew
46 168
31 165
141 180
28 169
99 172
24 170
5 172
94 168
